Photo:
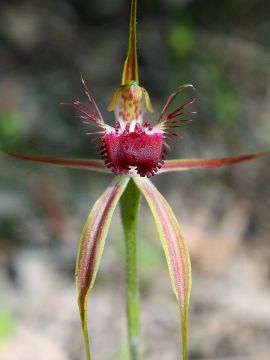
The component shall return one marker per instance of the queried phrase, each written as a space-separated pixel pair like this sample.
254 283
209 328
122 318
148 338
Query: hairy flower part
139 150
133 146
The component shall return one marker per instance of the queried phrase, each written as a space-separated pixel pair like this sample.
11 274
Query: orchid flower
133 151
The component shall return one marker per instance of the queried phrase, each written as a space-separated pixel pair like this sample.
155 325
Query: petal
83 164
199 163
92 244
175 249
147 101
115 98
163 116
92 115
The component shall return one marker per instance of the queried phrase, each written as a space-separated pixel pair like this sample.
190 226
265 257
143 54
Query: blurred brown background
223 48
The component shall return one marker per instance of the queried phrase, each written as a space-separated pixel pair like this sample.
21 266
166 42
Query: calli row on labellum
134 149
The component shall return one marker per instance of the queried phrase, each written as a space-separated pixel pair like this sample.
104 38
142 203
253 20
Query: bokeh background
223 48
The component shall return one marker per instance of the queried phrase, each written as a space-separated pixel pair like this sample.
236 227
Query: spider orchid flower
134 150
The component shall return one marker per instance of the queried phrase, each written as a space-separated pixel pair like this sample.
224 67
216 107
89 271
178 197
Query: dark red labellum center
135 149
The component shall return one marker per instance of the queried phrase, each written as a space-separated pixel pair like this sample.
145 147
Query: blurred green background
223 49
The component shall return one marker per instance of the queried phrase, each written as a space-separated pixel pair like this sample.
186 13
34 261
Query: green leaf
91 246
175 249
6 323
181 40
10 125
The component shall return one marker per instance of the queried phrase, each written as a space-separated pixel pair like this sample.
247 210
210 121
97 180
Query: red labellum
137 149
133 146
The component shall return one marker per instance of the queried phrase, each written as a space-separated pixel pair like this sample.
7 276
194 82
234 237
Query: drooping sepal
201 163
91 246
175 249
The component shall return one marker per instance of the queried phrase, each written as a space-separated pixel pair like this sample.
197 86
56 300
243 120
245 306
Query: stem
129 211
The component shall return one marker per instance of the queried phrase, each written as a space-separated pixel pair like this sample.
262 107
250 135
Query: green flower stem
129 211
